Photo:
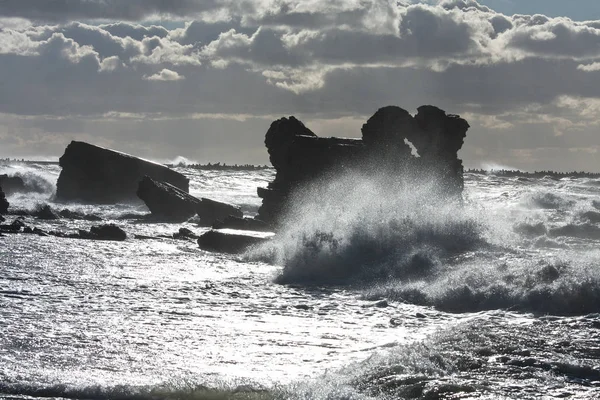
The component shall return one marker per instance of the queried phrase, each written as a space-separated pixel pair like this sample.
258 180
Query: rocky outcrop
229 242
3 203
211 211
12 184
389 139
93 174
167 201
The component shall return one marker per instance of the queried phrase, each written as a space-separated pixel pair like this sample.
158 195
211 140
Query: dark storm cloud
130 10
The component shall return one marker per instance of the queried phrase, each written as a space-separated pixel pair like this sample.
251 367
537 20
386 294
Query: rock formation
3 203
299 156
167 201
93 174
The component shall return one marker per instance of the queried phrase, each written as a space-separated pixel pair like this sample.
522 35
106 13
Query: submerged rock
389 139
167 201
229 241
211 211
12 184
93 174
3 202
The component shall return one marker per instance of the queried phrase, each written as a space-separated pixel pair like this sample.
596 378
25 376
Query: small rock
302 307
381 304
185 233
419 315
108 232
45 212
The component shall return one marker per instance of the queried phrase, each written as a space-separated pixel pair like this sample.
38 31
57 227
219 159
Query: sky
204 79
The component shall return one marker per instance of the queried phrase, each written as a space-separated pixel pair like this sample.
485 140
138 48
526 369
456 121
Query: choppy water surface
384 295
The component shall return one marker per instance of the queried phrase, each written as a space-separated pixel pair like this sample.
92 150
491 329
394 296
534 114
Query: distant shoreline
251 167
537 174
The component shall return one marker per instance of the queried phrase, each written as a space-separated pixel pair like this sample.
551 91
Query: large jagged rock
3 203
167 201
299 156
93 174
12 184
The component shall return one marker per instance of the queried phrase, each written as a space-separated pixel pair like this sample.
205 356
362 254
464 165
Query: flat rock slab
211 211
93 174
167 201
231 241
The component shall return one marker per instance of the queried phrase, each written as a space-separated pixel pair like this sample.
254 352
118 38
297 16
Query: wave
37 178
357 230
557 287
547 200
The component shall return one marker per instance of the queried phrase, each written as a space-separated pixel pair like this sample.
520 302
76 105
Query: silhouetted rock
211 211
14 227
12 184
102 232
299 156
94 174
185 233
45 212
3 203
246 224
167 201
228 242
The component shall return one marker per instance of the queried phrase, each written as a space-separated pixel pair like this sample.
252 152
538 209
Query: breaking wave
407 243
37 179
356 230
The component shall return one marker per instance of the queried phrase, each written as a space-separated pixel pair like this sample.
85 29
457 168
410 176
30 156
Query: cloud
323 60
165 75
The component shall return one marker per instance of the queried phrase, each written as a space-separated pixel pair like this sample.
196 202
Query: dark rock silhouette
299 156
66 213
45 212
184 233
93 174
167 201
246 224
102 232
226 242
211 211
3 203
12 184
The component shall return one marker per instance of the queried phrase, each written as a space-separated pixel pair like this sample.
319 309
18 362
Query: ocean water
372 290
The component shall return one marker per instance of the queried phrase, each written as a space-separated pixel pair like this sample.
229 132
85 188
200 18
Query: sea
370 290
